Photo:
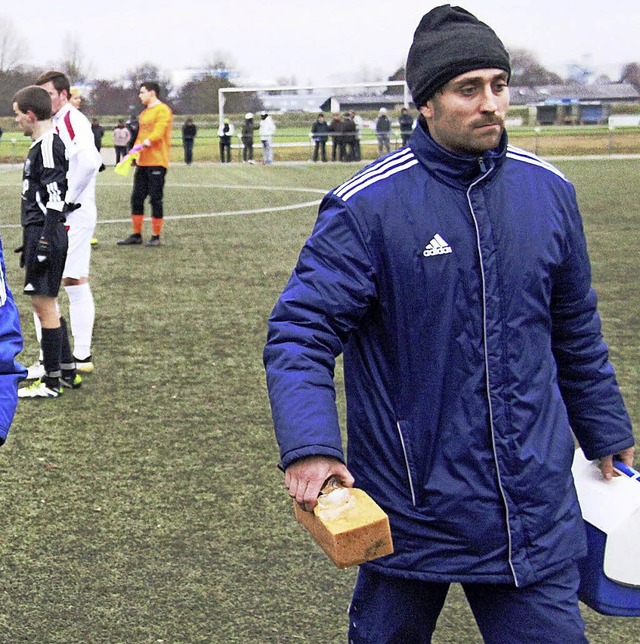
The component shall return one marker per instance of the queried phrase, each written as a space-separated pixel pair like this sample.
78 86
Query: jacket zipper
406 464
486 172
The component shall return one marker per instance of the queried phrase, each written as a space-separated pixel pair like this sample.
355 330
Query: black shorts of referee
44 280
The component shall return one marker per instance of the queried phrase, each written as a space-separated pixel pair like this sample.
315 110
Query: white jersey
74 129
267 129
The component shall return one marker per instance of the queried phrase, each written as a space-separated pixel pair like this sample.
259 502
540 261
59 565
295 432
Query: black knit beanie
450 41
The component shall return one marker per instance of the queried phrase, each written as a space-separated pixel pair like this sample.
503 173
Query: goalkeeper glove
70 207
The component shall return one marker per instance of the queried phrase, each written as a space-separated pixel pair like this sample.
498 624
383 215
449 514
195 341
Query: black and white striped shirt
44 179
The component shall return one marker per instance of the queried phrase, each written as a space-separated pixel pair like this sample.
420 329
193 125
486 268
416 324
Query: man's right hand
20 250
305 477
70 207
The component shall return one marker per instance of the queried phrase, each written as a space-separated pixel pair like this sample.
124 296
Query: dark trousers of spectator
357 152
348 152
320 148
405 137
247 150
336 145
225 151
187 144
121 151
148 181
384 143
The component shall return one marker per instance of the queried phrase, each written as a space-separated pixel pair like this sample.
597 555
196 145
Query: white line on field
228 213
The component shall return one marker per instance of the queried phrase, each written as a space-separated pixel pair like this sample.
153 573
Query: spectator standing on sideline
383 132
44 239
405 121
225 132
121 138
248 128
348 137
133 125
98 133
85 161
189 131
335 127
359 123
267 130
320 134
151 166
455 277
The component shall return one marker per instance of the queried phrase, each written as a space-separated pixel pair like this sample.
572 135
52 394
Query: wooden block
349 526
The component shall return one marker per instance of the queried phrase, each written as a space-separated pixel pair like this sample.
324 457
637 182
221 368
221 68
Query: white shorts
79 253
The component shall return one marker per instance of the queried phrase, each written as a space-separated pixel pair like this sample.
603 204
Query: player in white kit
74 129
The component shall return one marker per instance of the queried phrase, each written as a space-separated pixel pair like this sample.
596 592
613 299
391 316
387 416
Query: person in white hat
248 128
267 130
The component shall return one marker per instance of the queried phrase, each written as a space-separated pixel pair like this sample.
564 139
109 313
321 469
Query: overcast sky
314 42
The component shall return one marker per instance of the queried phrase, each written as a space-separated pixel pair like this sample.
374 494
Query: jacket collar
457 170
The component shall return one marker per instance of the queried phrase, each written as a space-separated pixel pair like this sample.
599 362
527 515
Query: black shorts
44 280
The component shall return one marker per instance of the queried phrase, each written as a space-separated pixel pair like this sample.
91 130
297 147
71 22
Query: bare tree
219 63
527 71
73 64
11 82
631 74
109 97
399 75
149 72
12 46
200 96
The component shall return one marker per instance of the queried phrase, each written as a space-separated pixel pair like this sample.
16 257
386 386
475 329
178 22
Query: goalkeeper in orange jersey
151 167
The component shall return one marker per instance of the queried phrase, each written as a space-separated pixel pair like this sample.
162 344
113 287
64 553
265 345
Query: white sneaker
39 390
35 371
85 365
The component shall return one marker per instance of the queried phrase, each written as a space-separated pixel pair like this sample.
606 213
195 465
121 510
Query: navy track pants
391 610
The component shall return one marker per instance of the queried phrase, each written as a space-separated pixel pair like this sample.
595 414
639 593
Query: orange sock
137 220
156 226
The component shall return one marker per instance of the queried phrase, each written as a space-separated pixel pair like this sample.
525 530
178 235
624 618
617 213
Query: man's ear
427 109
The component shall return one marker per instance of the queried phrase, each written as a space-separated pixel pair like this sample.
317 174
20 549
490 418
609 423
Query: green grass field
146 507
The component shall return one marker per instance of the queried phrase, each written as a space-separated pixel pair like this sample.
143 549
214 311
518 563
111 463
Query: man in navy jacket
453 275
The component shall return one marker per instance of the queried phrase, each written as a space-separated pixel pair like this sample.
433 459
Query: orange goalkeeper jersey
155 125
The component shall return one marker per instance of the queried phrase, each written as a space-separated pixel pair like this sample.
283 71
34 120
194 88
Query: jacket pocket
409 462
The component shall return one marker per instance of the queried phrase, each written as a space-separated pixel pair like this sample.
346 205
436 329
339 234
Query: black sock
51 348
67 362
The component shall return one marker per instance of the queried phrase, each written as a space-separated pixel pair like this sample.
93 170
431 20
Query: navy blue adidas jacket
459 290
11 373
